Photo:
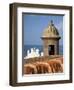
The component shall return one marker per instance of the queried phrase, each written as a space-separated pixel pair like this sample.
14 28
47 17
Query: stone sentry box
50 39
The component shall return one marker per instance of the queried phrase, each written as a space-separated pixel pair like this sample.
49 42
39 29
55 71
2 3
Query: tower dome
51 31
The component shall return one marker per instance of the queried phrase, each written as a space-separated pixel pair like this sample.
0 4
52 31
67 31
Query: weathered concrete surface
52 64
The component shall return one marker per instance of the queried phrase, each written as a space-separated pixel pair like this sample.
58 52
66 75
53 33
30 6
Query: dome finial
52 22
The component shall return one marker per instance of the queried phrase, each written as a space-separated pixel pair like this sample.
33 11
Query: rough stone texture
44 65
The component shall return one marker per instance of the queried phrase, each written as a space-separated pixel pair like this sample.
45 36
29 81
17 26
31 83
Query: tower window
51 50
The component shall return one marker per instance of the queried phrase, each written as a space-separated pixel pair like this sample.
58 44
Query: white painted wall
4 46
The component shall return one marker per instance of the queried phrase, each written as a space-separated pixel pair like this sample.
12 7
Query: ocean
28 47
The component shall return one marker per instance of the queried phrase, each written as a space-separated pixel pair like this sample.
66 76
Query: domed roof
51 31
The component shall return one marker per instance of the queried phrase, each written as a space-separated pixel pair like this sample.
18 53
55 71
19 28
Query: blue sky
34 26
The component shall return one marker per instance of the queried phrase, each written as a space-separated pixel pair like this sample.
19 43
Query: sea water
28 47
